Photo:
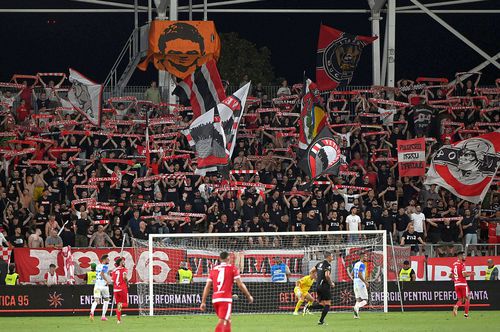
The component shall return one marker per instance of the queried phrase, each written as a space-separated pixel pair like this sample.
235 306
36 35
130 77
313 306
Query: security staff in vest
279 271
12 278
407 273
184 274
91 275
491 271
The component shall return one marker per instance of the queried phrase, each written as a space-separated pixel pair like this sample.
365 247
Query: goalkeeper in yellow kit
301 291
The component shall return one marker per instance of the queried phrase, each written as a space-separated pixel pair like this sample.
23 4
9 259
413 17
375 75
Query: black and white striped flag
203 89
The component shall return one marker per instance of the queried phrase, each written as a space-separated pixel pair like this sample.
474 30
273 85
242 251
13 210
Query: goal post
255 254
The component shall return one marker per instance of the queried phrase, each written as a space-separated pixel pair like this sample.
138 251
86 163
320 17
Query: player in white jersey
101 288
360 284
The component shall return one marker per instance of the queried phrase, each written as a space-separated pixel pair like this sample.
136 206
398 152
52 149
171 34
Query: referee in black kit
324 285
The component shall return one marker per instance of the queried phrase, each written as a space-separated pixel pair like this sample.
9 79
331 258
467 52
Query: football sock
297 306
223 327
104 308
92 309
324 312
119 314
459 303
362 304
316 305
309 304
467 304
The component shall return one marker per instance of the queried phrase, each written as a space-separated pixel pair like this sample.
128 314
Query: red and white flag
202 89
213 134
338 56
467 168
6 255
411 157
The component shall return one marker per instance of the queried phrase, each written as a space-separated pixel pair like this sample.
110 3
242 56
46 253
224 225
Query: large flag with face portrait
322 156
338 56
467 168
213 134
85 95
179 47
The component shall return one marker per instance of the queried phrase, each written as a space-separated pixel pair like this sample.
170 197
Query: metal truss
383 67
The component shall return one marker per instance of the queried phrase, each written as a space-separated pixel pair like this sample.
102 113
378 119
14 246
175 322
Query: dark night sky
91 42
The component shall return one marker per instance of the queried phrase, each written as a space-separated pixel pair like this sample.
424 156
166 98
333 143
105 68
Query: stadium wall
32 264
30 300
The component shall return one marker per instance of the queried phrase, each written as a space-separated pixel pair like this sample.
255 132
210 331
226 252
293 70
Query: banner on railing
186 299
439 268
32 264
254 265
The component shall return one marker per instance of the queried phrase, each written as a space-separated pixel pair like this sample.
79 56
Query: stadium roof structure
383 56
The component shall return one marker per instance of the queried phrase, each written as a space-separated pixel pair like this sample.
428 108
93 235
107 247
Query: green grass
370 322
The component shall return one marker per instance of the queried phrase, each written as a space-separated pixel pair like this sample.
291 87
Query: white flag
85 95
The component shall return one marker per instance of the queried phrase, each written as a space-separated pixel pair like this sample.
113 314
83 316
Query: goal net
255 254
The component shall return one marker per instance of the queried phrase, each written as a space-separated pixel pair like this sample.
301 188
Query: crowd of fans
66 182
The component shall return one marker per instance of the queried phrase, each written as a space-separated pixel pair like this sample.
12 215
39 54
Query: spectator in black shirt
375 209
223 225
469 228
249 211
387 223
142 233
275 213
255 226
368 223
68 235
82 226
199 205
41 219
311 222
450 232
433 230
402 220
412 239
284 224
388 192
18 240
333 222
267 224
232 213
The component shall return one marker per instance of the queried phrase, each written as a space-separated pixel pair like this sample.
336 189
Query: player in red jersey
459 276
222 277
120 287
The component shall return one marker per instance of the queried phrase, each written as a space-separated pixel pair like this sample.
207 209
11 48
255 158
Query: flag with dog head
468 167
85 96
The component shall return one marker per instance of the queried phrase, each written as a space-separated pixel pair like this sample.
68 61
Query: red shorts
462 291
121 297
223 310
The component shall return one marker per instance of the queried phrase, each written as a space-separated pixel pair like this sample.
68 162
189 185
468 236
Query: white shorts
360 291
101 292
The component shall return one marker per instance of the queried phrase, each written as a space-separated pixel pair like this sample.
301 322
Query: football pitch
370 322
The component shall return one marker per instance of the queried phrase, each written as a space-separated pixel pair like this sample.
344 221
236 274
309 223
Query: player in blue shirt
360 284
101 288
